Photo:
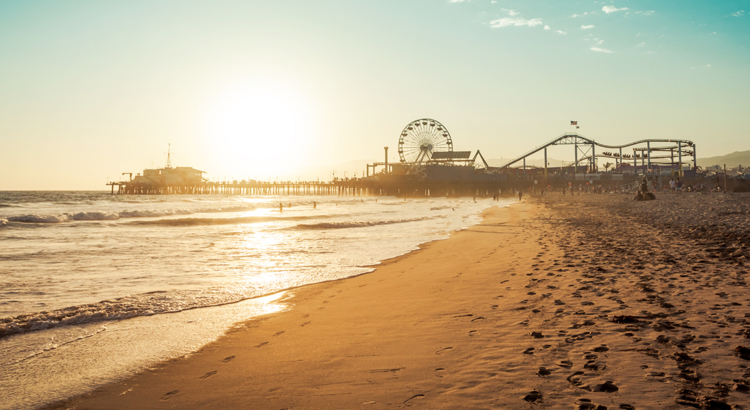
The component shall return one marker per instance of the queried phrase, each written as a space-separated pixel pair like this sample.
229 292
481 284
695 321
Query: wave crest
112 216
147 304
342 225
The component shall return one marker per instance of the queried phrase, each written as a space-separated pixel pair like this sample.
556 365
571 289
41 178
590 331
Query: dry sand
586 302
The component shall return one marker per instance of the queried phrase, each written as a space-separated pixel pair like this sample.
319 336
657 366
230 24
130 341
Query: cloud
560 32
587 27
708 65
612 9
547 27
601 50
510 21
645 13
511 12
580 15
456 1
738 13
641 44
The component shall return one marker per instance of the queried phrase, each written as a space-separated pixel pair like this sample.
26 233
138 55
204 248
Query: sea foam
146 304
111 216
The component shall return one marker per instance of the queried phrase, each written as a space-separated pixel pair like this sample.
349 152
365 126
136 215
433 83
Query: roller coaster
672 154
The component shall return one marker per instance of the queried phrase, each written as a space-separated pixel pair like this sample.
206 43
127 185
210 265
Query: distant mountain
731 160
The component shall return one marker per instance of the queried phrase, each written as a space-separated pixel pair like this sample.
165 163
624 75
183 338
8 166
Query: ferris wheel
421 138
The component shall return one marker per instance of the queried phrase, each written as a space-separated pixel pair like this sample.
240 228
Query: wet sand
587 302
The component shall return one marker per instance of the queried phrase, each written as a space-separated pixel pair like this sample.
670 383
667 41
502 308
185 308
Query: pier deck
353 187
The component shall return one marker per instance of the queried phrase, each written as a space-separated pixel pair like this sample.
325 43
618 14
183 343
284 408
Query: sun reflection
266 304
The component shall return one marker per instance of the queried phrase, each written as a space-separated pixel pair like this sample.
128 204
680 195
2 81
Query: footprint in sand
443 350
261 344
566 364
411 400
576 381
440 372
586 404
170 395
607 387
207 375
228 359
533 396
659 376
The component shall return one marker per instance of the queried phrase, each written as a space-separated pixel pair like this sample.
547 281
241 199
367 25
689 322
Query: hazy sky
91 89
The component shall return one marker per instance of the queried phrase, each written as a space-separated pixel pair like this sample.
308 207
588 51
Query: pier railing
351 187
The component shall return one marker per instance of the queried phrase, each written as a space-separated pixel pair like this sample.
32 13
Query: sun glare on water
259 131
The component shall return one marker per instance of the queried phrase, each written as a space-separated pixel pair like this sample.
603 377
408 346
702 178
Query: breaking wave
113 216
341 225
222 221
50 219
147 304
205 221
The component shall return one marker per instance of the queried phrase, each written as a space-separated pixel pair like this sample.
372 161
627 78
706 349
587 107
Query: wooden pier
345 188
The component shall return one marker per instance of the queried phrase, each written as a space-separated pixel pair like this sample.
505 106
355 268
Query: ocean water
95 287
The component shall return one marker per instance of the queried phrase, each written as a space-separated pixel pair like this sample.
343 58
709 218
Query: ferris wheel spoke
421 138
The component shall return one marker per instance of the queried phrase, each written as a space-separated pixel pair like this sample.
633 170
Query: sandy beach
586 302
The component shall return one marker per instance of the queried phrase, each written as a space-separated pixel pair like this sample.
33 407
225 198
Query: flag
574 123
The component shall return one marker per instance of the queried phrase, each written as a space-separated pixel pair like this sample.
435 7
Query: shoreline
29 385
296 299
588 301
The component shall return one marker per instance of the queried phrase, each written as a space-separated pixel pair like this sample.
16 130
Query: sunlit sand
556 302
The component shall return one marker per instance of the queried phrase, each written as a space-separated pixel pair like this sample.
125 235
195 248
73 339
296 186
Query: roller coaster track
575 139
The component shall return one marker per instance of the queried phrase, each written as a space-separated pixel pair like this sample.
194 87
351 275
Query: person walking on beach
520 196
